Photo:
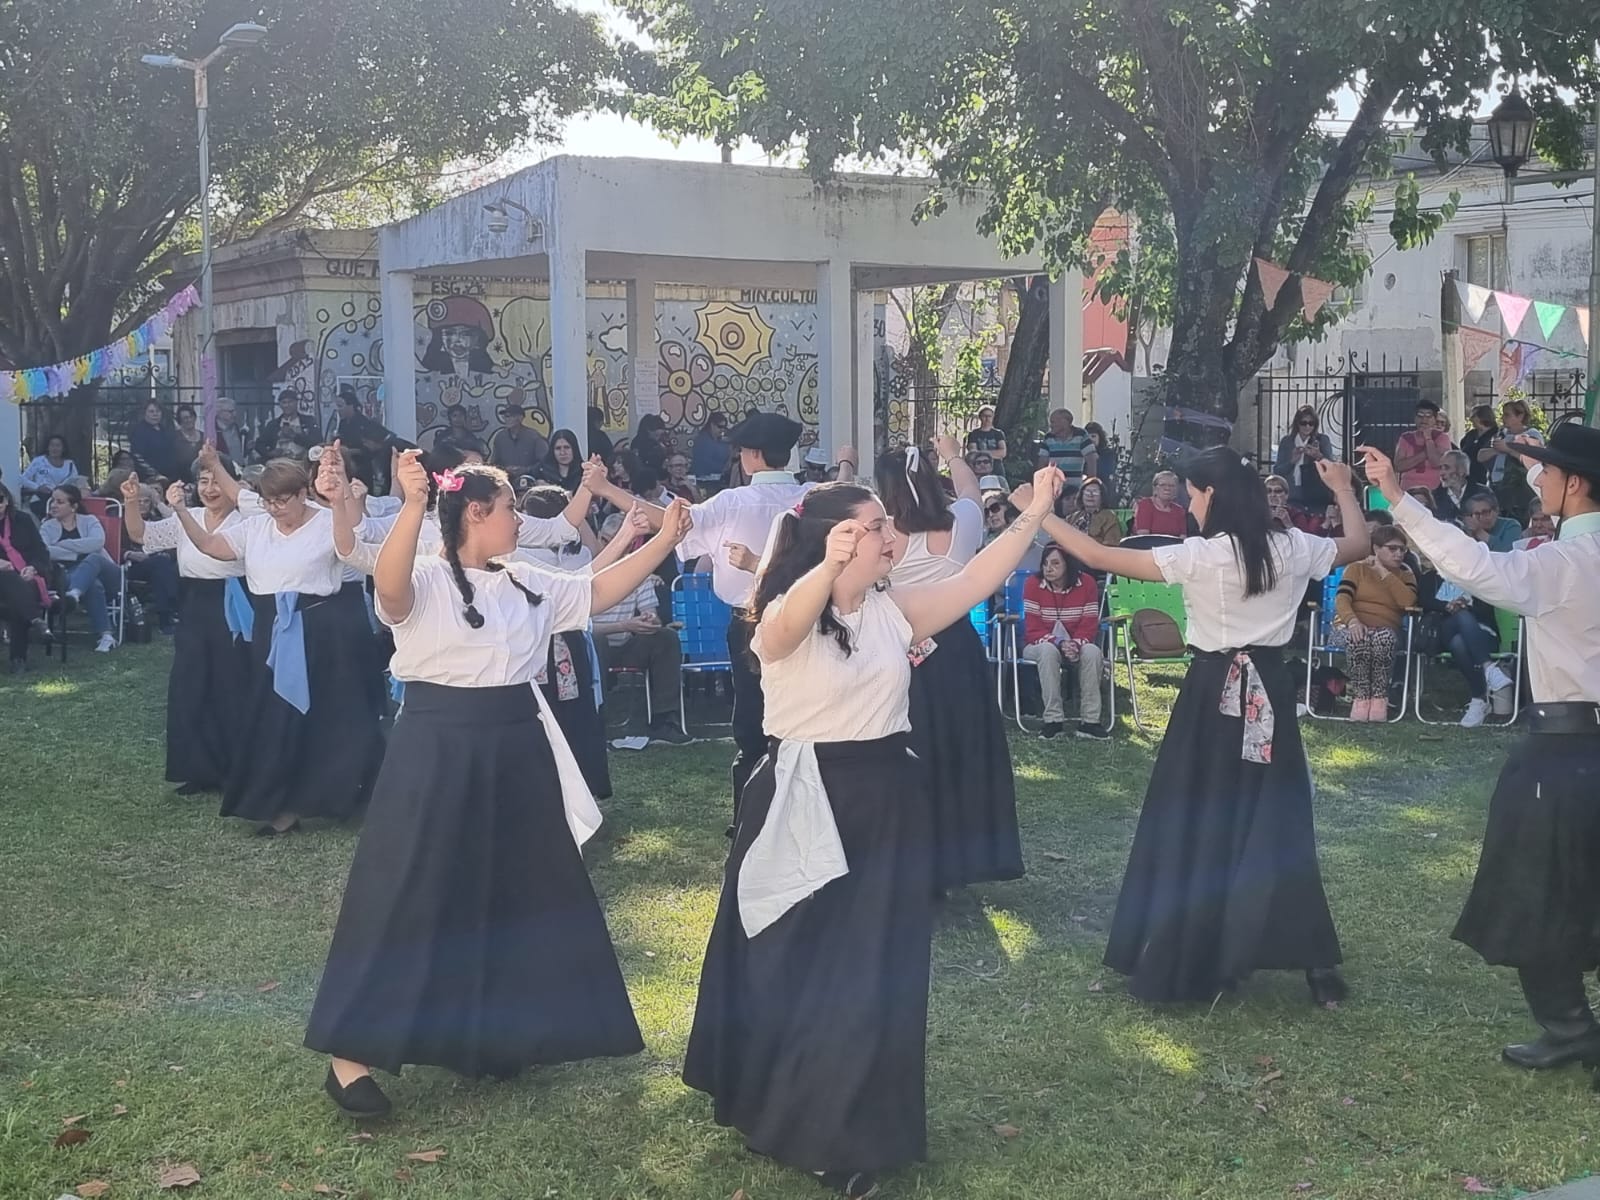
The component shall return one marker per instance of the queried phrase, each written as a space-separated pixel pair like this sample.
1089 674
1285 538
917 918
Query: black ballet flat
856 1185
193 789
363 1099
1327 986
267 831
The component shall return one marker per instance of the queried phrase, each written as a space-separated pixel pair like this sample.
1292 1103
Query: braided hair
479 485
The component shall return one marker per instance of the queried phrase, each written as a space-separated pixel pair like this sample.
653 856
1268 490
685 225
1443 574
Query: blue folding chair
1320 645
702 621
1007 638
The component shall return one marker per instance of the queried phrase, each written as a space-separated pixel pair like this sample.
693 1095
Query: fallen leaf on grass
69 1122
649 953
93 1188
197 996
1261 1108
71 1137
426 1156
403 1175
363 1136
119 1110
1264 1061
180 1176
1269 1077
1473 1184
285 1186
1348 1101
1007 1131
1303 1186
271 985
1097 986
323 1189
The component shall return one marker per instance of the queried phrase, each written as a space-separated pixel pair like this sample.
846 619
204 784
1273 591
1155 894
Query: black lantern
1511 133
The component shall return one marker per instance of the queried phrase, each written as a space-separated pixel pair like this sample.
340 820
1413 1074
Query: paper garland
58 379
1314 293
1476 299
1514 310
1549 316
1476 345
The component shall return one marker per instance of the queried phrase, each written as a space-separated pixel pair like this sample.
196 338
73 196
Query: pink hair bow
449 481
800 509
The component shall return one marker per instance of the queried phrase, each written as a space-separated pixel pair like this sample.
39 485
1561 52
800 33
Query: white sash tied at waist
577 801
798 850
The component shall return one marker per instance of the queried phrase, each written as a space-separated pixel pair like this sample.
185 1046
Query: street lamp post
238 37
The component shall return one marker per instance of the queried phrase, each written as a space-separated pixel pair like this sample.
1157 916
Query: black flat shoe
1545 1053
857 1185
1327 986
363 1099
192 789
267 831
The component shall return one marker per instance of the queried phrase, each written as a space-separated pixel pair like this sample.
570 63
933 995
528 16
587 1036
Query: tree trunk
1030 350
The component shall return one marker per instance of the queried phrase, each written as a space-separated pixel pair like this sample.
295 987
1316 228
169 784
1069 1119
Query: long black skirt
960 734
470 937
579 719
1536 899
810 1037
210 667
1223 877
319 763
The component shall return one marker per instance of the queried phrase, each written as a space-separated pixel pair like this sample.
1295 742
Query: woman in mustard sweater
1368 613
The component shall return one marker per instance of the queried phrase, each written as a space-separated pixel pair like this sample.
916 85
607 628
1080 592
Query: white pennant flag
1474 299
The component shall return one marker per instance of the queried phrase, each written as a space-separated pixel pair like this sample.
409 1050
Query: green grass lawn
157 965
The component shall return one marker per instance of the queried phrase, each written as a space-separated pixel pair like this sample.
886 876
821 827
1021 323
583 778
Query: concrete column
1066 343
836 360
11 443
399 354
569 344
645 392
863 432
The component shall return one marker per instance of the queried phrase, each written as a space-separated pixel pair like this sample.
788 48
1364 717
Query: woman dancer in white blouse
311 742
210 662
1223 878
809 1029
470 937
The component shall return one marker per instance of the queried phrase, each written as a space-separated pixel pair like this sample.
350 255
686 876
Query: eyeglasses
1277 491
278 503
1306 424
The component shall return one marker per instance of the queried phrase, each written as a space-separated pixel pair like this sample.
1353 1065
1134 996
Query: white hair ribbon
913 461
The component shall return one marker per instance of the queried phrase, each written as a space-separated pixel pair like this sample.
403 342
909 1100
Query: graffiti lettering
352 268
777 296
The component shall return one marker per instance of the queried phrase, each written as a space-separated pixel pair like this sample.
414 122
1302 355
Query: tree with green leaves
369 98
1208 123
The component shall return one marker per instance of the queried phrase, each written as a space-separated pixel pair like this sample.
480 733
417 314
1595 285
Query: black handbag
1429 640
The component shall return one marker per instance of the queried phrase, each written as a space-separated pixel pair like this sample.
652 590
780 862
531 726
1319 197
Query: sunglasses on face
1306 424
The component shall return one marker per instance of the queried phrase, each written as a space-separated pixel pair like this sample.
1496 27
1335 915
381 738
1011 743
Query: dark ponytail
479 485
801 543
912 492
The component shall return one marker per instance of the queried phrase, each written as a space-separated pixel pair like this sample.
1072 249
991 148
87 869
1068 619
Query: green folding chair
1512 630
1124 597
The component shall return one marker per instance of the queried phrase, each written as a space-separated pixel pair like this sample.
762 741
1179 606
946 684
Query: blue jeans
94 578
1470 646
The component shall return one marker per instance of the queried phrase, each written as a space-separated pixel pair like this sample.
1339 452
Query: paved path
1578 1189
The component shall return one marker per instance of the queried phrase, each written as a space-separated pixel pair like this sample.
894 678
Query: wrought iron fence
1355 398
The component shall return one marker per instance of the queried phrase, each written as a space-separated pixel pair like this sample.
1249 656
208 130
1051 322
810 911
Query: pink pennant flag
1474 299
1512 310
1476 345
1510 365
1314 294
1583 323
1272 278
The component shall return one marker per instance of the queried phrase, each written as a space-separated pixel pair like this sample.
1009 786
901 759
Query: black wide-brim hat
771 433
1573 447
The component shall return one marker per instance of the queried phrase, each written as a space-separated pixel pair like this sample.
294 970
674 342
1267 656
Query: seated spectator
458 432
1508 478
997 514
289 435
1455 486
679 484
1061 623
987 437
813 468
77 544
634 636
1332 522
1481 518
46 473
1419 451
158 571
24 578
123 460
1098 522
1425 498
981 462
1298 453
1278 502
1369 612
1541 529
1469 632
1160 512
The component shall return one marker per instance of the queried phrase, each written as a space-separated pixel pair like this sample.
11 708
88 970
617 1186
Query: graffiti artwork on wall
477 356
345 346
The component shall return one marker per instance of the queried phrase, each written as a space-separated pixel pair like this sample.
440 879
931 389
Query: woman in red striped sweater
1061 621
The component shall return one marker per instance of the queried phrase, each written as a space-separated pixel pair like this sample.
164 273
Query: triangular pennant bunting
1549 315
1476 344
1530 356
1511 355
1474 299
1272 277
1583 323
1512 310
1314 294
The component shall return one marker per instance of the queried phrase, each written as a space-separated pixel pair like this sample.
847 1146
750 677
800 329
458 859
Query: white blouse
303 561
434 644
42 473
820 694
168 534
572 559
918 564
1220 616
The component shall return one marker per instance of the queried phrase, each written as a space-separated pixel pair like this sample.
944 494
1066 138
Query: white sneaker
1497 679
1476 712
106 644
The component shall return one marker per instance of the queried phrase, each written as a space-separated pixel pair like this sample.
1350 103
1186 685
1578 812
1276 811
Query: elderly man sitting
1455 486
633 636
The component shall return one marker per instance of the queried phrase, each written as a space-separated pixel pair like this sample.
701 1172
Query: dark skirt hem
210 667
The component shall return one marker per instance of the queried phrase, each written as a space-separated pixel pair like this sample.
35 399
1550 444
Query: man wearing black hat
1535 903
731 528
516 448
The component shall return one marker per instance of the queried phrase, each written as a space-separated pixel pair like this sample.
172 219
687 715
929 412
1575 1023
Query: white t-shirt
303 561
434 644
574 558
820 694
1220 616
744 515
168 534
919 565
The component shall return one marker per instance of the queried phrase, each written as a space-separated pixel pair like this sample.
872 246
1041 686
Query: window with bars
1486 260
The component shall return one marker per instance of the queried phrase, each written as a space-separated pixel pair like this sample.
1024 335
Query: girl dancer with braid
470 937
810 1027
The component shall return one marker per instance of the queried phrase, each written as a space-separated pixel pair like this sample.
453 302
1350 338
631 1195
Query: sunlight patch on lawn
56 687
1344 755
1016 936
1155 1047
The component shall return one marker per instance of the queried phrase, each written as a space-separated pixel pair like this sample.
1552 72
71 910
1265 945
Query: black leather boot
1568 1031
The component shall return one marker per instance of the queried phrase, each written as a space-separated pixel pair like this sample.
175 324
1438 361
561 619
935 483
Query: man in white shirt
731 527
1535 902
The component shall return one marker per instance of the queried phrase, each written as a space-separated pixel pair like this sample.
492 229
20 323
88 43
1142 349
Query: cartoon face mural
345 346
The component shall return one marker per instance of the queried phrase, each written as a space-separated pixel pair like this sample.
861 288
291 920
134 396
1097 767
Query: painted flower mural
735 335
684 374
